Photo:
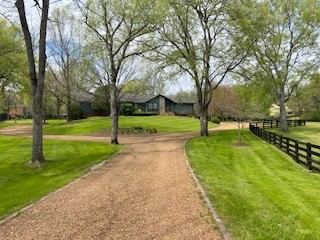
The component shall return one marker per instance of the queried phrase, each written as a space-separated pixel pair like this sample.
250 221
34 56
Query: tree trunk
37 143
114 114
58 105
239 132
204 122
36 79
68 93
283 114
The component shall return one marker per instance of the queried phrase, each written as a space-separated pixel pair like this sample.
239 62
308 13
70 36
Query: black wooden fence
304 153
276 123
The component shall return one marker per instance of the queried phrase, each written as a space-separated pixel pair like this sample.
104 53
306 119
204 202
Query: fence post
280 142
271 123
309 163
287 145
297 150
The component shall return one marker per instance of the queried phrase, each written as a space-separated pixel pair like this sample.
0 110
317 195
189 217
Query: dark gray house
160 104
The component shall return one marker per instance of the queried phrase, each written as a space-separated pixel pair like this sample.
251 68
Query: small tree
15 113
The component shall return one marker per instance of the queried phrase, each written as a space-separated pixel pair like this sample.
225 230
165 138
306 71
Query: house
160 104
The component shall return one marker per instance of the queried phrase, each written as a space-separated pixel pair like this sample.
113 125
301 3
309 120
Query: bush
126 109
215 120
76 111
140 113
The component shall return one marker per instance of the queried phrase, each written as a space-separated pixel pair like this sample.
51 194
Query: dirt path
146 192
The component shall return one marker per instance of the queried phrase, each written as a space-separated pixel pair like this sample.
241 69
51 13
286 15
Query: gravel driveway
146 192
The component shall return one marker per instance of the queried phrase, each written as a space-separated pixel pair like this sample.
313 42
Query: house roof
126 98
146 98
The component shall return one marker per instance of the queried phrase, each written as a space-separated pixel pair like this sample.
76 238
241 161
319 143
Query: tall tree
284 39
116 29
36 77
64 50
199 42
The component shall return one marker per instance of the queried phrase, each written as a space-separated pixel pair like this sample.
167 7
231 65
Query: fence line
276 123
306 154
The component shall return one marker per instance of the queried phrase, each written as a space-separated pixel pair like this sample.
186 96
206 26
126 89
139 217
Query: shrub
126 109
140 113
215 120
76 111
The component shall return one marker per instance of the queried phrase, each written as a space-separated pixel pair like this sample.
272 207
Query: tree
13 61
64 48
223 102
36 77
284 40
115 32
197 41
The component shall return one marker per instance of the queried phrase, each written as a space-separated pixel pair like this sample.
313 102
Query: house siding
184 108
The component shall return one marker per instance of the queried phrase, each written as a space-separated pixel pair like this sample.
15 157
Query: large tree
37 77
284 40
199 42
115 32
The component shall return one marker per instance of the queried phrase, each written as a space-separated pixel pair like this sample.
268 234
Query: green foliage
258 191
215 120
76 111
141 113
22 183
126 109
13 61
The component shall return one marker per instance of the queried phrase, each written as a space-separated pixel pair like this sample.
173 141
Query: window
136 106
153 107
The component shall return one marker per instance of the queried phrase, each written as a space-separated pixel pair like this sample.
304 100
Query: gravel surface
146 192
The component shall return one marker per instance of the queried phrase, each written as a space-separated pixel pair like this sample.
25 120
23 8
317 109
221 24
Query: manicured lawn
13 123
309 133
161 123
51 122
21 183
259 191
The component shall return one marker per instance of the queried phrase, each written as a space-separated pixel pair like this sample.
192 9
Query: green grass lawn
161 123
259 191
13 123
309 133
21 183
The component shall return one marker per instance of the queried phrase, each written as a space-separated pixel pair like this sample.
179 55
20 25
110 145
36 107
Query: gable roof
131 98
146 98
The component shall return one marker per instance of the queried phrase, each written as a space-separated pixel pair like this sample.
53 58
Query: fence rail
306 154
276 123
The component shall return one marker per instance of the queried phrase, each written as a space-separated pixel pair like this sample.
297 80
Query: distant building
160 104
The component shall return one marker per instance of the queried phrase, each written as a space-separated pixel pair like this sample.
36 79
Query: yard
309 133
161 123
22 183
259 191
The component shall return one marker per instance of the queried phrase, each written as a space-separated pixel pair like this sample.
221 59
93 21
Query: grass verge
21 183
259 192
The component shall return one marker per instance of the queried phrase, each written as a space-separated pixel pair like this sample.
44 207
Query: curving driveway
146 192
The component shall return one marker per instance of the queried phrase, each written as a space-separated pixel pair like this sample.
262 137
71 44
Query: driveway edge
225 233
91 169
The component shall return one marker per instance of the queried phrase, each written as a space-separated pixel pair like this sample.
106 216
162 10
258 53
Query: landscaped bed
22 183
259 191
